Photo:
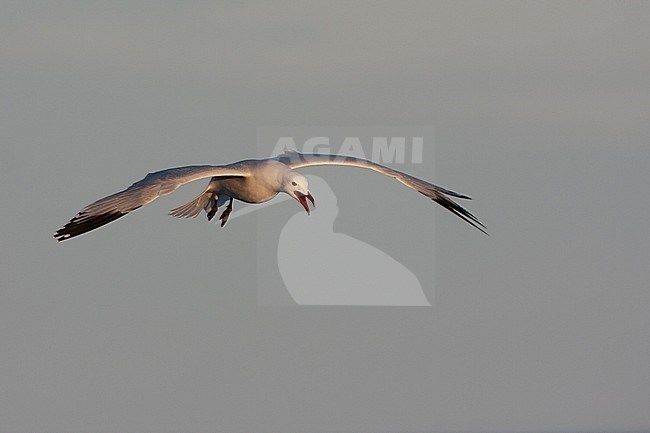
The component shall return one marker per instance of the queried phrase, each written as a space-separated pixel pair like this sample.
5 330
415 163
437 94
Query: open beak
302 198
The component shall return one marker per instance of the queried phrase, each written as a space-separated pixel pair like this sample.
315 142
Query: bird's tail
207 201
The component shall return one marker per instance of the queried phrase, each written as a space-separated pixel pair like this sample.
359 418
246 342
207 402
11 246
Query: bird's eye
294 184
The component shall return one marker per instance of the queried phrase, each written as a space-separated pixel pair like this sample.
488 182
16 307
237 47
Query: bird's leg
226 213
211 208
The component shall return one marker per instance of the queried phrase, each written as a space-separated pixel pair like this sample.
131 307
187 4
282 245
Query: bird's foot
224 216
211 206
212 212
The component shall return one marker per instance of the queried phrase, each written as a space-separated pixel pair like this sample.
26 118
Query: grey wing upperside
436 193
144 191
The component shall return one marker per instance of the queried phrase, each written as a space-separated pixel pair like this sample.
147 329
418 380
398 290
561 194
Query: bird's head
297 186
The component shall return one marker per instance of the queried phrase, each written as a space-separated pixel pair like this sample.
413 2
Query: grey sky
540 113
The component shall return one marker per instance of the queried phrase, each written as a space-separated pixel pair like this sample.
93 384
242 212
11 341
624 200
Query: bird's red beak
302 198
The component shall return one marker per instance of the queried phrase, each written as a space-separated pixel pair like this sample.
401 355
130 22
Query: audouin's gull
251 181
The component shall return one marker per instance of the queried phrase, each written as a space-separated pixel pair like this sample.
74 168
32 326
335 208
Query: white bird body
263 182
251 181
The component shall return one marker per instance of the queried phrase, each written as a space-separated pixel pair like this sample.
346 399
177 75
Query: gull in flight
250 181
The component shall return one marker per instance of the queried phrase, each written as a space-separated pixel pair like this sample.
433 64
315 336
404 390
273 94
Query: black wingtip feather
461 212
78 226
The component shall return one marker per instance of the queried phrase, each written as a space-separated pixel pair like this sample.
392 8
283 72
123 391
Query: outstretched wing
434 192
144 191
